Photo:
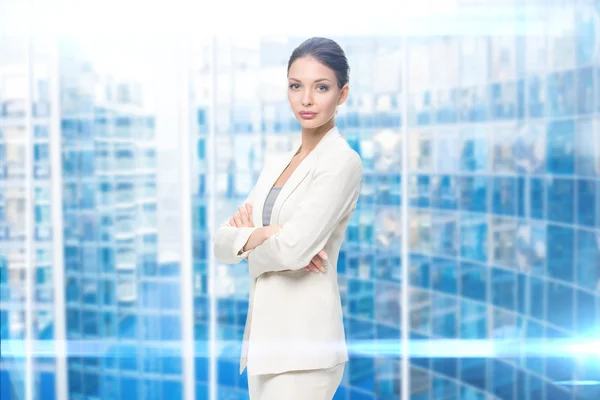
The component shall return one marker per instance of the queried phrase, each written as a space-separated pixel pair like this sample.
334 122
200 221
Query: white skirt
315 384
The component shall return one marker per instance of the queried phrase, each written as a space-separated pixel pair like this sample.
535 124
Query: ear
343 94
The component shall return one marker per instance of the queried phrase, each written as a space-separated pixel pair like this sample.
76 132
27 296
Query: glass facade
489 145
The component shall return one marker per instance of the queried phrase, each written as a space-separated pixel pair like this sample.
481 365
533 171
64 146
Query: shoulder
340 155
341 160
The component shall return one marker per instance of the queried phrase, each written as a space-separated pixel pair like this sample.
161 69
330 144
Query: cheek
331 101
292 98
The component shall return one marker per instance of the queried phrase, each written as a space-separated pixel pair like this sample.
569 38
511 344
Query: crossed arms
332 195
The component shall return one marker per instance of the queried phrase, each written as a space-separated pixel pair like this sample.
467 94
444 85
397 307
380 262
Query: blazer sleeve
332 195
229 241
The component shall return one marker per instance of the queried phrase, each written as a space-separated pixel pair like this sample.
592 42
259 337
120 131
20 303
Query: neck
311 137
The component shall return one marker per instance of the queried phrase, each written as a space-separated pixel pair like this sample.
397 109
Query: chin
311 124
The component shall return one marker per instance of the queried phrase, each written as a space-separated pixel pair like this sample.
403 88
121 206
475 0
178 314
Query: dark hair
328 53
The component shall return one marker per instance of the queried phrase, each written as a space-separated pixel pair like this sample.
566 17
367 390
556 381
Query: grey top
269 202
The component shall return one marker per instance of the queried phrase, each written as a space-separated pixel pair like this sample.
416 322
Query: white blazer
294 319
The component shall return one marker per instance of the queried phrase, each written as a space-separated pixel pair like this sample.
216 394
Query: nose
307 98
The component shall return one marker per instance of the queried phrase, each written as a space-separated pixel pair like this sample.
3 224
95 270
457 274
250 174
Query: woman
290 230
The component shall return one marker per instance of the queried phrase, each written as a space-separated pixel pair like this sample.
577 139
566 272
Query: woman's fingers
318 264
243 215
237 220
249 212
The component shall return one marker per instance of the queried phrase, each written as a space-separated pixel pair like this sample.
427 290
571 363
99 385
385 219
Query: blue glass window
560 145
129 388
585 153
419 271
505 199
361 302
90 291
90 323
4 325
107 259
42 214
560 305
586 202
537 197
588 259
40 152
88 196
473 237
40 131
503 379
474 155
73 321
444 193
473 371
170 297
443 275
467 392
560 252
586 311
89 260
585 90
503 156
560 200
109 325
149 264
86 163
522 293
421 189
127 326
171 362
444 232
74 382
108 292
536 297
480 98
536 97
473 193
443 321
503 288
561 93
504 100
72 290
172 389
473 318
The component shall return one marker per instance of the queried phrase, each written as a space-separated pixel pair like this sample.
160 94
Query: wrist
262 234
256 237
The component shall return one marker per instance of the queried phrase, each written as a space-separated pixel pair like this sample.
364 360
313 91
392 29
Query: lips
307 115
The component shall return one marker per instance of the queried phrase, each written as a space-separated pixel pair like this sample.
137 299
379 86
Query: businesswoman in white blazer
290 230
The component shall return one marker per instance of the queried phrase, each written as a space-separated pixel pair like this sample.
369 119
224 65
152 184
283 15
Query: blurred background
471 267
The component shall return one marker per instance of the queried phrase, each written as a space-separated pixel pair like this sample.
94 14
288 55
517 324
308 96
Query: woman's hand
242 218
316 265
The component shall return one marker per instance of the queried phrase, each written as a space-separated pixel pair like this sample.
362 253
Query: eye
323 87
294 86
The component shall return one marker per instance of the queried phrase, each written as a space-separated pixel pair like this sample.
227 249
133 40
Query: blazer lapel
274 171
299 173
292 183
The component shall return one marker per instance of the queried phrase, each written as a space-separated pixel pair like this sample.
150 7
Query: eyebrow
318 80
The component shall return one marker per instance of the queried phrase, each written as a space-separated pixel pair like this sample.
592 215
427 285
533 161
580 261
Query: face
313 92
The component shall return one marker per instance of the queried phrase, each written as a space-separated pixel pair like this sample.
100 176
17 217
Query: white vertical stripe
404 212
58 259
182 65
29 211
211 188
